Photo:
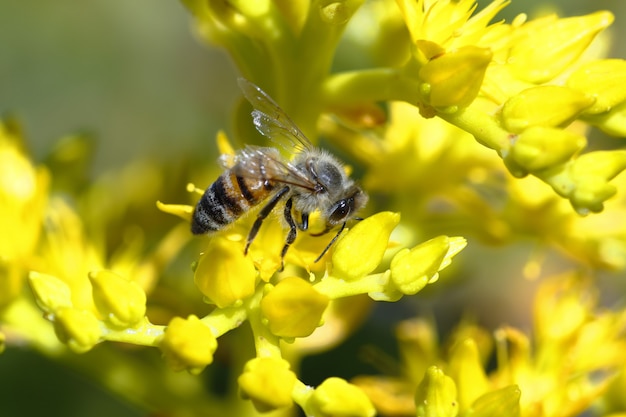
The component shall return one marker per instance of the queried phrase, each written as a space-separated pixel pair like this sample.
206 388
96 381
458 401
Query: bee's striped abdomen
226 200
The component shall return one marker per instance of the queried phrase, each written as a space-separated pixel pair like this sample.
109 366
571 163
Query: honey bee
310 180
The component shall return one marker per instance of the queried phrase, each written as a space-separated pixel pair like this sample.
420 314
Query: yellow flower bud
80 329
612 122
539 148
547 105
436 395
361 250
293 308
337 398
455 78
501 402
120 301
268 382
550 45
604 80
188 344
591 173
467 371
412 269
224 275
51 294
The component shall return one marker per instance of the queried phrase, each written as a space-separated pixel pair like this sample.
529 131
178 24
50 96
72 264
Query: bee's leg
343 226
305 222
291 236
265 211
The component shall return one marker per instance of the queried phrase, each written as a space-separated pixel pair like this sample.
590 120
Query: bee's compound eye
340 210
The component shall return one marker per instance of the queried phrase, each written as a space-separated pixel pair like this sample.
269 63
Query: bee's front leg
265 211
293 231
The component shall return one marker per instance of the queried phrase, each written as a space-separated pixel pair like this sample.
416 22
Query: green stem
265 342
335 287
482 126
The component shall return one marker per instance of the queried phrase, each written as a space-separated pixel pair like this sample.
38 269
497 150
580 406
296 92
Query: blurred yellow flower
23 196
573 357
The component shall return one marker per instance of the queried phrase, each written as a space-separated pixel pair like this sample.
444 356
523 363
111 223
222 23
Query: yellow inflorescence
483 133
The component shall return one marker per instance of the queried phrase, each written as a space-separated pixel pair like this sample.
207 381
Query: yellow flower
361 250
80 329
293 308
268 382
335 397
412 269
119 301
532 152
529 109
51 293
223 274
571 362
188 344
448 23
23 196
436 395
547 46
454 78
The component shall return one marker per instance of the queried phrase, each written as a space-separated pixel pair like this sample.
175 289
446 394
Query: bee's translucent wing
271 121
267 164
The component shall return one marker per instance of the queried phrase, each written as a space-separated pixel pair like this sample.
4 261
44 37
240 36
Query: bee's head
346 208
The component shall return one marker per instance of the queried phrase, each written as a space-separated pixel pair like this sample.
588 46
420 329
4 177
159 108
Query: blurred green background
133 75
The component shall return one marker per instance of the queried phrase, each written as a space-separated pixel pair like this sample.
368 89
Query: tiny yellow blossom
337 398
612 122
538 148
360 250
530 108
120 301
448 23
51 293
602 80
592 173
188 344
224 274
293 308
455 78
268 382
80 329
412 269
436 395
